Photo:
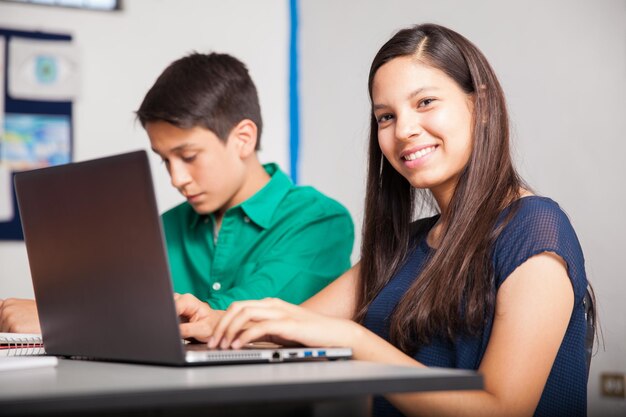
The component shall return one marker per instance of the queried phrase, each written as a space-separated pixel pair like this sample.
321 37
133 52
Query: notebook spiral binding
15 344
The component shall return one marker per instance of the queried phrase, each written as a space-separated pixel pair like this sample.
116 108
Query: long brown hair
455 290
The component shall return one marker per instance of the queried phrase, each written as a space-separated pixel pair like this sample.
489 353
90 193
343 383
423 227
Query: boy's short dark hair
213 91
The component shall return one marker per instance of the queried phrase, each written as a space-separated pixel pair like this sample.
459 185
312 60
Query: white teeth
419 154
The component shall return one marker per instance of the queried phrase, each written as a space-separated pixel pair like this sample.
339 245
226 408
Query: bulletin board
38 82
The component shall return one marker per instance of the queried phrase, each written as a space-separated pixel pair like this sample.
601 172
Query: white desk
319 388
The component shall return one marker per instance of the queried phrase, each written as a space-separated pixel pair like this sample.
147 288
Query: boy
245 231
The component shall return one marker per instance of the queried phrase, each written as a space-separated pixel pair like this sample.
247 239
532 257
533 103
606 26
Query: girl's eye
384 118
426 102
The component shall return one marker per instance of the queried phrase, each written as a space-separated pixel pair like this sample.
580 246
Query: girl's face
424 124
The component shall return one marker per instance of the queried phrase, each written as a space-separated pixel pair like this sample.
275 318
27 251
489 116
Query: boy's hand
19 316
198 319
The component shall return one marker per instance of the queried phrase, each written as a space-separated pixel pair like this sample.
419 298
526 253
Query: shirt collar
261 206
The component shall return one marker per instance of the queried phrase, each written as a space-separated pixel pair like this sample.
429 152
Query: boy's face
207 171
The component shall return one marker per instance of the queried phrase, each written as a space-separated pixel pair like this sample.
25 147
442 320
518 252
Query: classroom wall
123 53
562 65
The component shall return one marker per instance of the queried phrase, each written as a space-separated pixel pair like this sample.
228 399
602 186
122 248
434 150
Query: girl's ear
244 134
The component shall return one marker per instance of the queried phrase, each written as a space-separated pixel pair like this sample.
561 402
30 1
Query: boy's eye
188 158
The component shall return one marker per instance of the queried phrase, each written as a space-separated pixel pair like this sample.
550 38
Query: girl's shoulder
533 215
535 202
530 226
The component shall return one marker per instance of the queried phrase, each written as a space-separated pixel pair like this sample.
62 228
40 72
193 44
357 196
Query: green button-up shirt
285 241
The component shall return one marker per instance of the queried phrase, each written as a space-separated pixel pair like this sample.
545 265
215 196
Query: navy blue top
538 226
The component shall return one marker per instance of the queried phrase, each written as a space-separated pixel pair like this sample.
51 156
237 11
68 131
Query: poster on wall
35 141
39 78
43 70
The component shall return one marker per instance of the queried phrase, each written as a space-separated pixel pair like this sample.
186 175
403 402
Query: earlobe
245 135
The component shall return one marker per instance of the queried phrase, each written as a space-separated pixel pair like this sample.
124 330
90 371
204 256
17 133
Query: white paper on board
6 196
2 78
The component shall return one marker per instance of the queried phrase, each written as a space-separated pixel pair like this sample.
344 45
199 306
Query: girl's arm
533 309
337 299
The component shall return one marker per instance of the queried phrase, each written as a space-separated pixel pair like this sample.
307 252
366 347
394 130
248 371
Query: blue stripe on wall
294 105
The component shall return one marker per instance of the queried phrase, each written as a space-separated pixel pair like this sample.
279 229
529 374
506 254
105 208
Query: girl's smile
424 124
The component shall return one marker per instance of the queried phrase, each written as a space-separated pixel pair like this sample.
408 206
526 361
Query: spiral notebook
21 344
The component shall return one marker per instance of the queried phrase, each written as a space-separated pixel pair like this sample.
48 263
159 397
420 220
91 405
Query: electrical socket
612 385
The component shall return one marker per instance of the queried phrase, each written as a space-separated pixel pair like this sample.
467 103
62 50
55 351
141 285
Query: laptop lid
97 260
100 272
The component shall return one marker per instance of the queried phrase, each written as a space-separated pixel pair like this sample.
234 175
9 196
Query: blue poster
35 141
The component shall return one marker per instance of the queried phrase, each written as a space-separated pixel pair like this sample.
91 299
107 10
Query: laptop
100 271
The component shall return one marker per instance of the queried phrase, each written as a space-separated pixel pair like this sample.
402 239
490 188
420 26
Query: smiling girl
494 282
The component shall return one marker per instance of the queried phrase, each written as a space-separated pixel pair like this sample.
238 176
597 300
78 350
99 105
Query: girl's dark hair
455 291
213 91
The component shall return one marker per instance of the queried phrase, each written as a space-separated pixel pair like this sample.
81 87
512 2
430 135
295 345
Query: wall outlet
612 385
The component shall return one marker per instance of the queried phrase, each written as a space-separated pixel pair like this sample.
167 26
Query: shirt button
206 220
246 219
217 286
